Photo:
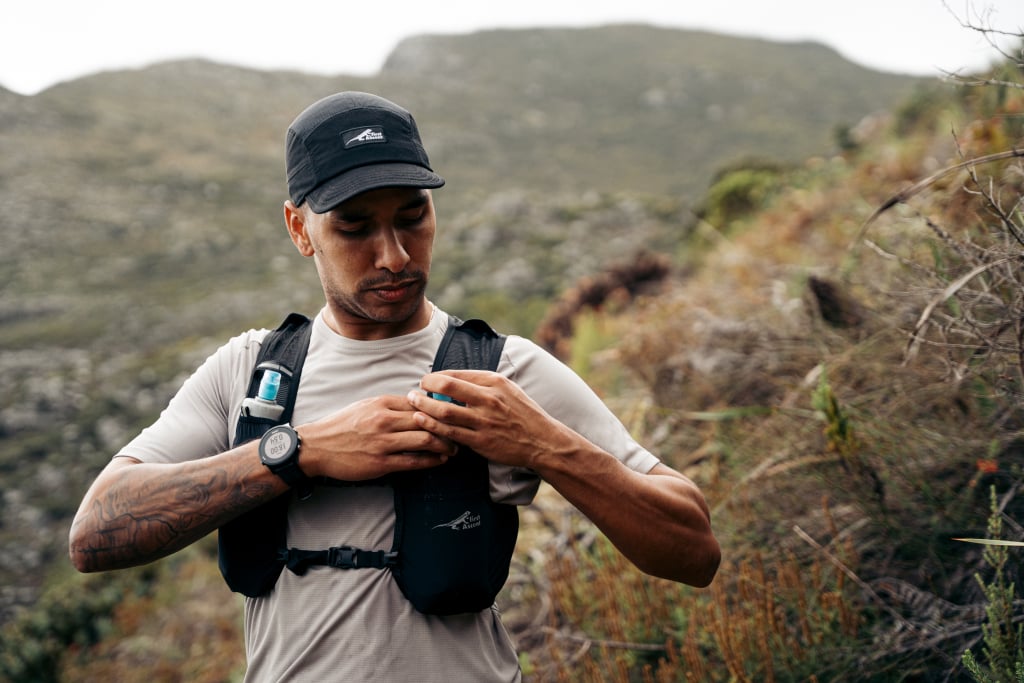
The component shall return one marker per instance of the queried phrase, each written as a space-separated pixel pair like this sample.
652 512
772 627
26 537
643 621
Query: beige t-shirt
332 624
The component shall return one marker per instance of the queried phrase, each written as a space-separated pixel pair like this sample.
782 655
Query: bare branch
949 291
981 24
902 196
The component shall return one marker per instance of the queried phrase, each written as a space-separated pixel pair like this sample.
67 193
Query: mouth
397 291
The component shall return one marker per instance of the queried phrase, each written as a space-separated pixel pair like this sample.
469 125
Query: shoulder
198 421
522 355
571 401
541 375
228 366
240 350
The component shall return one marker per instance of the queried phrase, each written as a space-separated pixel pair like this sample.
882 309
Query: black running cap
351 142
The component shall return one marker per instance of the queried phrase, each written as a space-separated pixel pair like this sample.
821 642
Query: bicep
566 397
197 421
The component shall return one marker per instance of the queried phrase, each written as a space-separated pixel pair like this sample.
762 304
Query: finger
386 415
463 386
418 440
478 377
446 411
444 428
392 406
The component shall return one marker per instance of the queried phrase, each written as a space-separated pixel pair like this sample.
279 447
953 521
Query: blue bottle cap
269 385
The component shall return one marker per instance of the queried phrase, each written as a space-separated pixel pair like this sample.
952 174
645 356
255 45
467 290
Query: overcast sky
47 41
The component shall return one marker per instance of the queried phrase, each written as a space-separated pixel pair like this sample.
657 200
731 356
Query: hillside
131 181
141 225
628 108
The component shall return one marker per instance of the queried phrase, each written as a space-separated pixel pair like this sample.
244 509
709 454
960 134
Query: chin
396 313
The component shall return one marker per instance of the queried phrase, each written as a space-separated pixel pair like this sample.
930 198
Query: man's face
373 256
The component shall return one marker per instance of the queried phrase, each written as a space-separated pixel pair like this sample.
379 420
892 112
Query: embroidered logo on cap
363 136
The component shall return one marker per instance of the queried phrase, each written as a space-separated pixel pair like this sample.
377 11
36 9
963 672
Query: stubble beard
362 304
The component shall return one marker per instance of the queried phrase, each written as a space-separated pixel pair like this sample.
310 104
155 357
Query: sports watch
279 451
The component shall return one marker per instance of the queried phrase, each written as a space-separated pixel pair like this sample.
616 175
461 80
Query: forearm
136 513
658 520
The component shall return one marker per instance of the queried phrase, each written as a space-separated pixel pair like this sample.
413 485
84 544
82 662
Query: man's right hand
368 439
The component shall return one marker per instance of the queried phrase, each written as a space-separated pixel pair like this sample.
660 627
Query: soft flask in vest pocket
454 545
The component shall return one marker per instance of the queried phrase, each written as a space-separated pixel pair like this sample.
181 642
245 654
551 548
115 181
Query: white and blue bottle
265 402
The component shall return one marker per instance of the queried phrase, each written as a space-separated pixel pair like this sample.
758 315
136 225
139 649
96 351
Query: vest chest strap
340 557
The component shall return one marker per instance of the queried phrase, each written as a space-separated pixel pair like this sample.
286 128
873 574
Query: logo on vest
467 520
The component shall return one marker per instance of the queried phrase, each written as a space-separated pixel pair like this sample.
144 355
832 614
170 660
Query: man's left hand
496 418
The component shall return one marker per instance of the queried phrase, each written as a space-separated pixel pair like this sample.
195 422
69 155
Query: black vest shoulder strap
240 541
283 350
469 344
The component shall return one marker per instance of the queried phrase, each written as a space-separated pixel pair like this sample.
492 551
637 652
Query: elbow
80 558
696 564
78 561
706 568
83 550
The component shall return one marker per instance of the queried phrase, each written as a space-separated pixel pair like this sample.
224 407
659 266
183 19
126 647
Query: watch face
277 445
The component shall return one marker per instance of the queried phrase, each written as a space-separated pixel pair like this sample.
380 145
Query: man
361 208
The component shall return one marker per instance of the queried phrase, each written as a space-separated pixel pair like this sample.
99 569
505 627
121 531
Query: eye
411 218
350 225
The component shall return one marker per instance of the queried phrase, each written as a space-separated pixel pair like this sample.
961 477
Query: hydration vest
452 545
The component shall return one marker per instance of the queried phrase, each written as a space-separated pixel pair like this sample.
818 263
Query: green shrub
74 613
1003 639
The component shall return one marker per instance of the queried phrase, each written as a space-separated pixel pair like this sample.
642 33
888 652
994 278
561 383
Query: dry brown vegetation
843 375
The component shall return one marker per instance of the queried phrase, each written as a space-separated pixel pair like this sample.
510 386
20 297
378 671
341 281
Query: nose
391 253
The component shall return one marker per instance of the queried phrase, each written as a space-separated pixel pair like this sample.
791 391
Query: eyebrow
420 199
357 213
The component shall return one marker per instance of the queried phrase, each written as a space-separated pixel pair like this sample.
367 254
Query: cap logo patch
363 136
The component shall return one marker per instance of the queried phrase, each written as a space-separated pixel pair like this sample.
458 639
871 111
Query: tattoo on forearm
134 527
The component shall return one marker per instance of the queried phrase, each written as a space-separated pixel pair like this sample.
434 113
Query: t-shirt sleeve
567 398
199 421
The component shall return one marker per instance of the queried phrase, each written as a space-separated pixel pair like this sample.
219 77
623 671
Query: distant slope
628 107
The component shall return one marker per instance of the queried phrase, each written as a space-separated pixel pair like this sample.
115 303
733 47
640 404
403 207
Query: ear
295 221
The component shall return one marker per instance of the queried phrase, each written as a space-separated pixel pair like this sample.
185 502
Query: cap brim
372 177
